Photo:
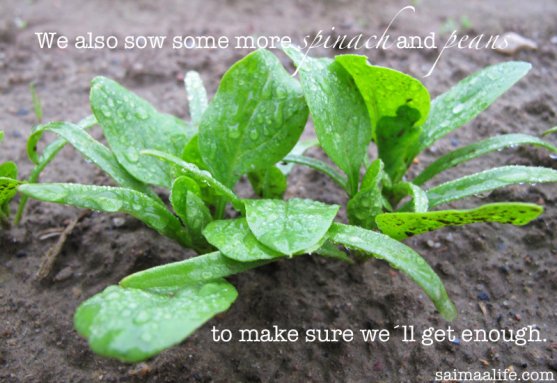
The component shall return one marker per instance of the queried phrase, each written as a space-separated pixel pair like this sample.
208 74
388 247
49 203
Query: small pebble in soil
118 221
483 296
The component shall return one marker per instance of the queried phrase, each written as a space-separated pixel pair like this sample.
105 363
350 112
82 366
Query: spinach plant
251 128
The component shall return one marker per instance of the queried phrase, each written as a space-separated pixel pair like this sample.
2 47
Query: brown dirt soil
511 269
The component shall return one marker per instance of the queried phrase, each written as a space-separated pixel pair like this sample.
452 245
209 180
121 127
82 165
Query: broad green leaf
46 157
477 149
397 104
268 183
190 208
92 150
403 225
202 268
292 226
132 325
202 177
320 166
550 131
400 257
368 202
254 120
338 111
235 240
469 98
112 199
419 202
197 96
298 149
488 180
131 124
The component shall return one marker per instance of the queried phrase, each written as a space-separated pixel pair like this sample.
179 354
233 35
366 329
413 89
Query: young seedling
251 128
8 187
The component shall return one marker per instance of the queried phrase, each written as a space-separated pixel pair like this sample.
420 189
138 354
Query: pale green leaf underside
488 180
235 240
254 120
112 199
132 324
202 268
477 149
403 225
289 227
131 124
468 98
400 257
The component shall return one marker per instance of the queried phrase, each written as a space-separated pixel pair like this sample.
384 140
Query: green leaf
477 149
339 113
254 120
190 208
2 134
112 199
8 169
235 240
320 166
468 98
299 149
368 202
550 131
202 177
290 227
92 150
197 269
131 124
329 250
400 257
132 325
8 189
197 96
403 225
37 107
268 183
46 157
488 180
398 105
419 202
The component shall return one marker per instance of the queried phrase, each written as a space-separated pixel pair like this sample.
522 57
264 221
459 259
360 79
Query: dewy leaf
131 124
469 98
338 111
202 268
254 120
488 180
398 105
299 149
419 201
477 149
203 177
235 240
368 202
268 183
290 227
320 166
132 325
398 256
403 225
191 209
93 150
112 199
197 96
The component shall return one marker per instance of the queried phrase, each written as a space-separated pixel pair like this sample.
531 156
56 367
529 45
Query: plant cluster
252 128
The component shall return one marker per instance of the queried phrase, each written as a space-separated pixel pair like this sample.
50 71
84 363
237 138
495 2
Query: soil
499 276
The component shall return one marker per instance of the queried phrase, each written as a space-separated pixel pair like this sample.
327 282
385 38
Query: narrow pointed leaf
400 257
235 240
550 131
112 199
131 124
202 268
488 180
197 96
339 113
403 225
290 227
464 101
254 120
132 325
478 149
368 202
